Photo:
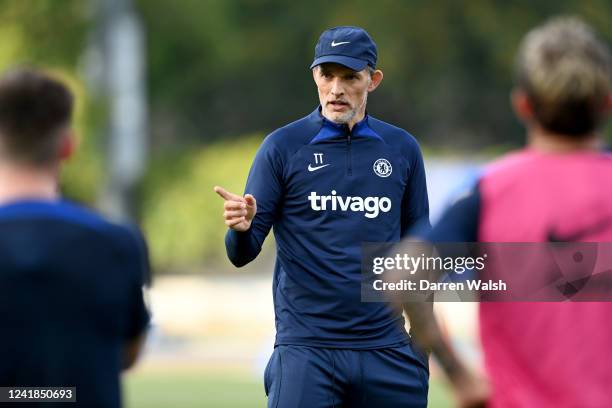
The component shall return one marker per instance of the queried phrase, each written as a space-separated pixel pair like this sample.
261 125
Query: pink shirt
548 354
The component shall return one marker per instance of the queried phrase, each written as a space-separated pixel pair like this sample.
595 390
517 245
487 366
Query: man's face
343 93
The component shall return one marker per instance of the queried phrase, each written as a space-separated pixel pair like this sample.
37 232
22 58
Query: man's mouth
338 105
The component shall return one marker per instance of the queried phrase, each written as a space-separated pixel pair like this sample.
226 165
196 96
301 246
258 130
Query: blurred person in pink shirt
556 189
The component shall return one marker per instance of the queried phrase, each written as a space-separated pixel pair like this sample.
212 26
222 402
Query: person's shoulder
62 211
392 134
514 162
123 234
511 171
81 214
395 136
67 223
293 135
528 161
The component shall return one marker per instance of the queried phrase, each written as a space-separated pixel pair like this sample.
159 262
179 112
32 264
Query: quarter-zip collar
330 130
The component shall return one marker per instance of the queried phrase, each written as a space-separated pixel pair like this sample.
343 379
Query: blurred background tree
222 74
52 35
220 68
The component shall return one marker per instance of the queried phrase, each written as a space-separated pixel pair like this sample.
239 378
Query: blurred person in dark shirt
71 303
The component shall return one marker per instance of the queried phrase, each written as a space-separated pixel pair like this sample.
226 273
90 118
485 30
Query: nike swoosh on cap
335 44
310 168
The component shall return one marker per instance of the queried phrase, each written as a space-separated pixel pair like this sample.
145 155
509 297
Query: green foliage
220 68
43 32
181 214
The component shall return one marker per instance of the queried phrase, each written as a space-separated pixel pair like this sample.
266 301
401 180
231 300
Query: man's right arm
139 275
243 241
459 223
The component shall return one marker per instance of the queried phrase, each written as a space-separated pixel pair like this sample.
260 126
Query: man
71 304
557 189
327 183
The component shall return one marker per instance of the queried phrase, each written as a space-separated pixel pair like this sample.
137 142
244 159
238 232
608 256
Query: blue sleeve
415 202
265 183
459 223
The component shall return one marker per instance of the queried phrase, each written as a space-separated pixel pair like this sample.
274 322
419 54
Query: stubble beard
347 117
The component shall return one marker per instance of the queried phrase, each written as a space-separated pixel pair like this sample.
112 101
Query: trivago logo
372 206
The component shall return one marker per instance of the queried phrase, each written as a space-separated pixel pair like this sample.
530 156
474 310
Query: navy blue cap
349 46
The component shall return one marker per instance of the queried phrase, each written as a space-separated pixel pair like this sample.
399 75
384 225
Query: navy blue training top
70 299
325 190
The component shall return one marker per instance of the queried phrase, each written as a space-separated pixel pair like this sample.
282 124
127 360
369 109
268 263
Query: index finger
226 195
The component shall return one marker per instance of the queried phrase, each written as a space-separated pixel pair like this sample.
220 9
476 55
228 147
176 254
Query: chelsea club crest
382 168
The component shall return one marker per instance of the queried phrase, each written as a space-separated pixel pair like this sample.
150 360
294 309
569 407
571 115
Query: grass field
192 388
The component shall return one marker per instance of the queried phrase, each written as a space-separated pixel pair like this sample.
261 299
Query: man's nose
337 87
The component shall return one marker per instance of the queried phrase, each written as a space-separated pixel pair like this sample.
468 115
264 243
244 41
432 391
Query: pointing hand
238 211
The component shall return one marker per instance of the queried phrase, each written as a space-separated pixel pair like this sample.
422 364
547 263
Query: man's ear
377 77
521 104
67 144
315 72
